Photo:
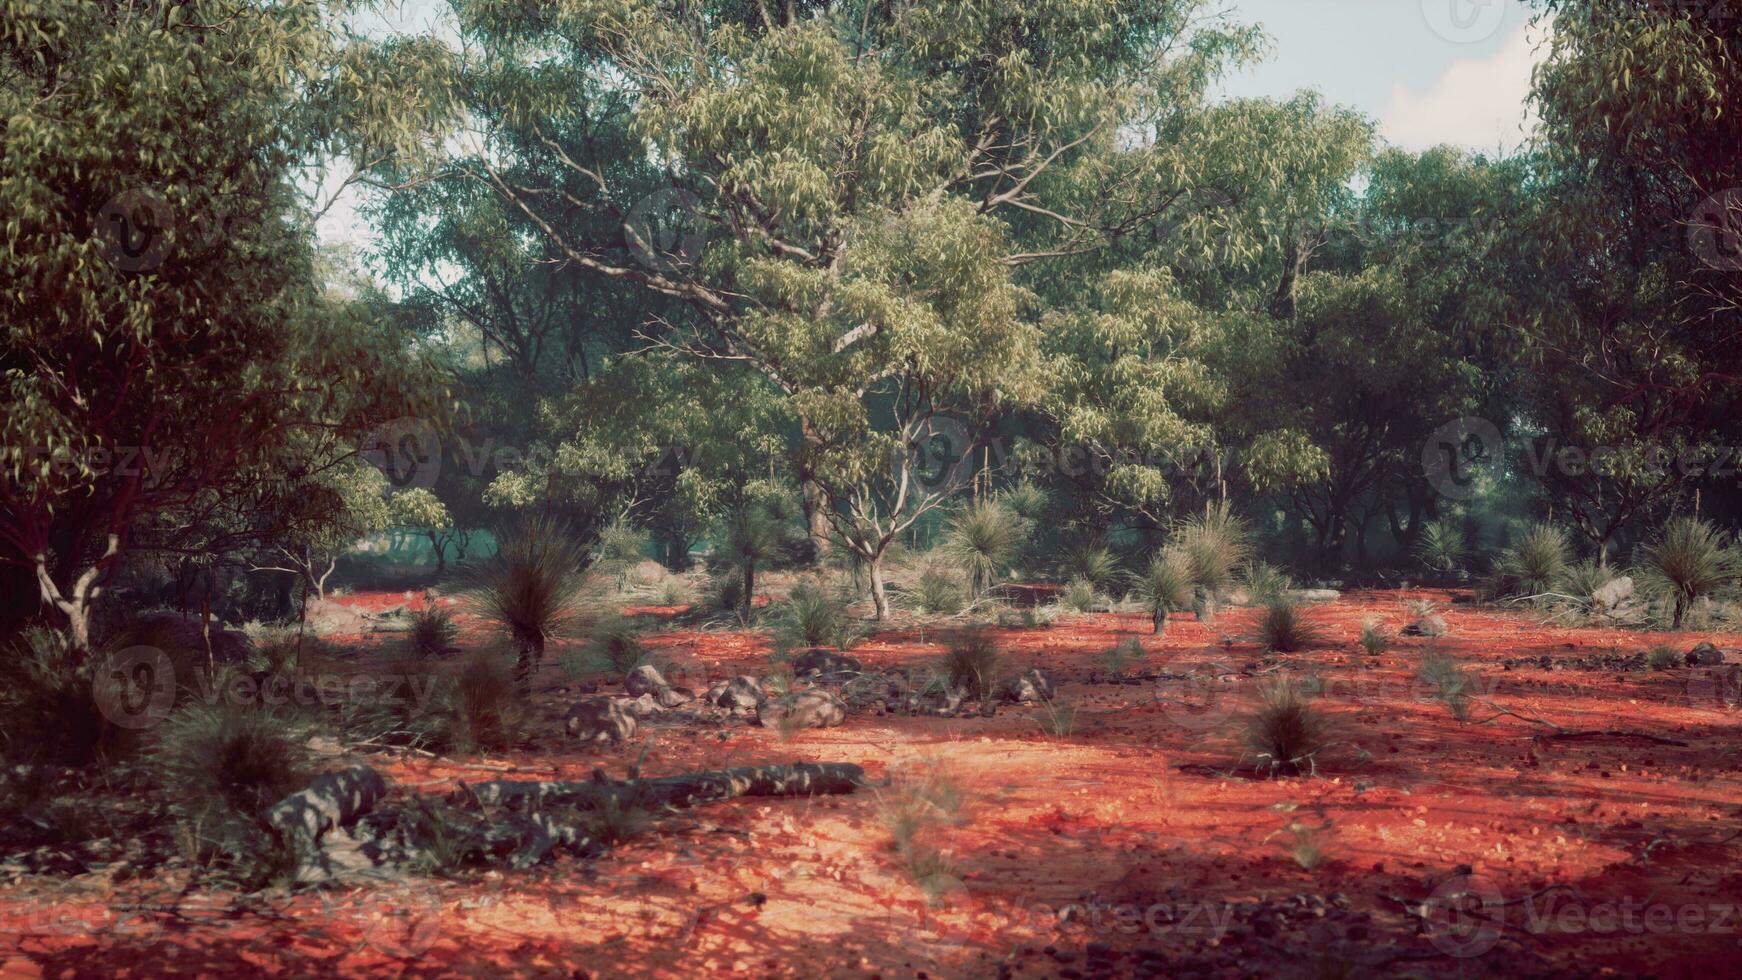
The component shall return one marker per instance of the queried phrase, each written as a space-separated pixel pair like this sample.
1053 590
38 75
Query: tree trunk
531 654
1159 618
749 587
879 595
815 501
441 552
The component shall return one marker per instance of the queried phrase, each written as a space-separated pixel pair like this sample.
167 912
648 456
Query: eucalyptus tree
853 201
164 329
1631 259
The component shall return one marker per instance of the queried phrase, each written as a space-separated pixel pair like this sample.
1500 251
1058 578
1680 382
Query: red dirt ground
1090 853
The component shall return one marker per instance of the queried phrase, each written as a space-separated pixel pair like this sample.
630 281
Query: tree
419 510
163 325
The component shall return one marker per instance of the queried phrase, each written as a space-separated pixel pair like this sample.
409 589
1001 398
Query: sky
1427 71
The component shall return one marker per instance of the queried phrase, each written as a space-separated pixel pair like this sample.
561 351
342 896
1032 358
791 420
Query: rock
741 692
934 702
1033 685
644 679
671 697
645 706
1612 594
1705 655
826 663
332 799
1311 595
1429 625
804 709
602 719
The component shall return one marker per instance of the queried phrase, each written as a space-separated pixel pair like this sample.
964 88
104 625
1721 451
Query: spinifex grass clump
1284 628
1286 732
531 588
1448 681
1375 639
1089 562
1691 559
1264 581
811 616
433 632
936 591
971 663
221 766
1663 657
479 707
1124 655
614 645
1081 596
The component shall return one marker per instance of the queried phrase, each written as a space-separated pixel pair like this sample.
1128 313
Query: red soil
1082 854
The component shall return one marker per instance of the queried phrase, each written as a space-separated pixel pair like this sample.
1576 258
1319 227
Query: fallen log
677 792
332 799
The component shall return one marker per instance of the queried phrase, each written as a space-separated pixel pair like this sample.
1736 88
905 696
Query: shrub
1442 546
1690 560
983 540
433 632
1284 628
1307 845
1057 718
1450 682
1122 655
936 591
480 710
1374 637
1583 578
1536 564
971 663
1663 657
1165 586
530 588
614 645
50 706
1286 732
621 545
727 593
1089 562
1265 582
674 591
811 617
1081 596
222 765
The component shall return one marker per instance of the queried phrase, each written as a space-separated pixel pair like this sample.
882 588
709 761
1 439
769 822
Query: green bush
614 645
1265 582
480 709
1081 596
1165 586
1089 562
531 588
1690 560
936 591
811 617
1536 564
1214 544
983 540
50 707
1442 546
1374 638
433 632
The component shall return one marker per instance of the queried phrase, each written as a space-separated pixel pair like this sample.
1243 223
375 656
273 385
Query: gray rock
1033 685
1705 655
741 692
671 697
804 709
1311 595
644 679
1612 594
644 707
602 720
825 663
1429 625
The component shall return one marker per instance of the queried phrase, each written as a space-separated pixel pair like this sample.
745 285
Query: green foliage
1441 546
1214 543
1122 656
1165 586
614 645
1689 560
1450 682
983 539
1534 565
621 545
1057 718
1375 639
1582 578
49 708
936 591
972 662
1286 732
811 617
1089 562
1284 628
1080 595
222 765
531 587
1265 582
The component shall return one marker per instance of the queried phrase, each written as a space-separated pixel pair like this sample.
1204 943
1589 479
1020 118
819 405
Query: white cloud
1479 103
